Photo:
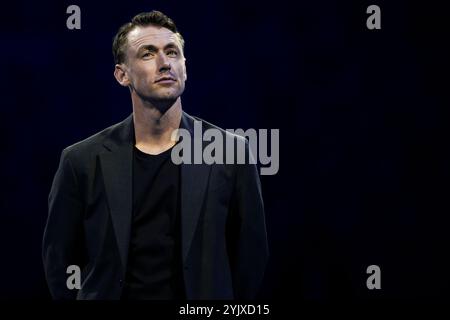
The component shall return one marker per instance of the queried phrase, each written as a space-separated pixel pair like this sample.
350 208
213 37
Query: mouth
165 80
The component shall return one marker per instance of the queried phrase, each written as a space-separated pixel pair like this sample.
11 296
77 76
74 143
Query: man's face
155 64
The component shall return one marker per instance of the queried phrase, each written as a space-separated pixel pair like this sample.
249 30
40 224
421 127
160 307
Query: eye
172 53
146 54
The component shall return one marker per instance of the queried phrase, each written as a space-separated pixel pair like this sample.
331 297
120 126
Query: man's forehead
151 35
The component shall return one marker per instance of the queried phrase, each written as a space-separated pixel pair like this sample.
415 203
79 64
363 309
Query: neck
153 129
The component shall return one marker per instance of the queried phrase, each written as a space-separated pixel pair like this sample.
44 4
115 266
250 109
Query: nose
163 63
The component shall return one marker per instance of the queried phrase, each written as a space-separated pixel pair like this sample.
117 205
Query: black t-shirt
154 262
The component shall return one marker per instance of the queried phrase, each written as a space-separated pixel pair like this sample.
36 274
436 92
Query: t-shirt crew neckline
145 155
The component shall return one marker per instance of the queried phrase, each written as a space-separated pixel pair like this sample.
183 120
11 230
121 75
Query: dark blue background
364 166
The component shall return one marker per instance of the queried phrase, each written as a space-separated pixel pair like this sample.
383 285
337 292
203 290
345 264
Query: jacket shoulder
91 144
227 134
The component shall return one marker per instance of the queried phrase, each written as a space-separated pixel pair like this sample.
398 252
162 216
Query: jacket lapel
117 174
194 181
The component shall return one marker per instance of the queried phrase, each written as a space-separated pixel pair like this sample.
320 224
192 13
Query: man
138 225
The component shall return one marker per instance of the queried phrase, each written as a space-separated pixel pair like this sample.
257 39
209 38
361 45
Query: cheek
145 74
143 67
182 72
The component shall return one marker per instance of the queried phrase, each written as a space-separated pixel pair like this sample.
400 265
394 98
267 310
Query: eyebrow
152 48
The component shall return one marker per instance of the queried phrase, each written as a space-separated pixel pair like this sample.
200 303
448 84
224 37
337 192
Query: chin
168 98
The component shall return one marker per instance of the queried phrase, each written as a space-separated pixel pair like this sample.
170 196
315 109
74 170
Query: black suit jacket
224 244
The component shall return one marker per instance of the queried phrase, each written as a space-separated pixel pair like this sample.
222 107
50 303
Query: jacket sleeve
247 238
62 243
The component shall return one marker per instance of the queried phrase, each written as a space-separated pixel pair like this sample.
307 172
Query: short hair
142 19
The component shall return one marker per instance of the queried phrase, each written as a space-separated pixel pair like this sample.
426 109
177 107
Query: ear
121 75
